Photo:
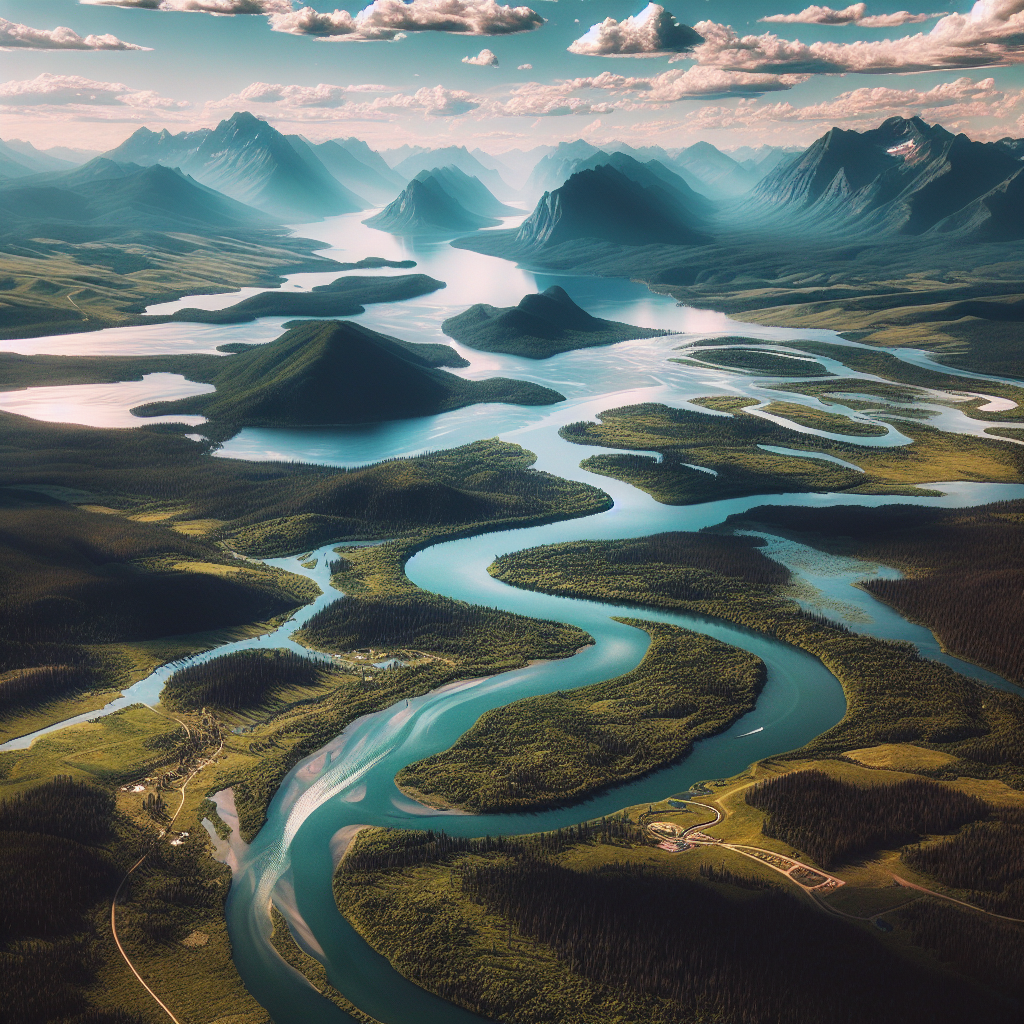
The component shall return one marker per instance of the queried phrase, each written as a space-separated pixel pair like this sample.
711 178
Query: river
350 782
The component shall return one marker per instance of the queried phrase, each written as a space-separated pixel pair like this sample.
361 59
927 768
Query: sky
87 73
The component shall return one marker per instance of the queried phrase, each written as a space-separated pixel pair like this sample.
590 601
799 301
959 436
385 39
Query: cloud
64 90
295 95
391 19
992 34
219 8
485 59
855 14
651 33
334 102
962 97
525 67
23 37
711 83
537 100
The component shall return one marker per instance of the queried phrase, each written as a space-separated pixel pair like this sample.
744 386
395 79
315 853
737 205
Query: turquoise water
350 781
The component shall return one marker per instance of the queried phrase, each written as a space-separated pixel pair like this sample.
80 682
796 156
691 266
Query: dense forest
244 679
977 946
560 747
986 858
69 576
523 933
420 621
893 694
964 568
51 877
274 508
832 820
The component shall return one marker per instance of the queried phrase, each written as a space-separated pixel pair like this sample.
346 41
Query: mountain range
541 325
455 156
603 203
251 161
326 372
438 202
126 195
359 173
905 177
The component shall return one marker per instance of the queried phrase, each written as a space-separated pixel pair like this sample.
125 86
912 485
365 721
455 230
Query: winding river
350 782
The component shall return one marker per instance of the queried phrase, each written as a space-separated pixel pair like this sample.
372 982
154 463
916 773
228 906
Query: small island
543 324
344 296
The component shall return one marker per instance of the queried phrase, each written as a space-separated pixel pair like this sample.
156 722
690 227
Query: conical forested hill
324 372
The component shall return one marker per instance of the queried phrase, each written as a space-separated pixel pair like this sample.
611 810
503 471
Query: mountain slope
250 161
717 172
555 168
325 372
468 192
903 178
425 207
354 175
604 204
104 192
541 325
23 158
655 176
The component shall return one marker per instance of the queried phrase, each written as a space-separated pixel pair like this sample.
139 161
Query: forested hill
541 325
326 371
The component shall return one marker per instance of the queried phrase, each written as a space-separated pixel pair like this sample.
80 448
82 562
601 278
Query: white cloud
334 102
485 59
63 90
23 37
651 33
537 100
960 98
525 67
391 19
991 34
855 14
296 95
219 8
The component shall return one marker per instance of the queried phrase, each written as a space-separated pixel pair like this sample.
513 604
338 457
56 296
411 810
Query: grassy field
756 361
823 419
729 445
57 286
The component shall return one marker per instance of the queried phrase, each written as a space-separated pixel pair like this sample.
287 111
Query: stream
350 781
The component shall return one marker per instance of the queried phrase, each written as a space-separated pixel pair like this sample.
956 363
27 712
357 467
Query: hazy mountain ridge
427 207
455 156
377 185
605 204
468 191
251 161
104 191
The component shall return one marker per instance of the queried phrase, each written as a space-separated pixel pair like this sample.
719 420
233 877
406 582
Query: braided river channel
350 782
